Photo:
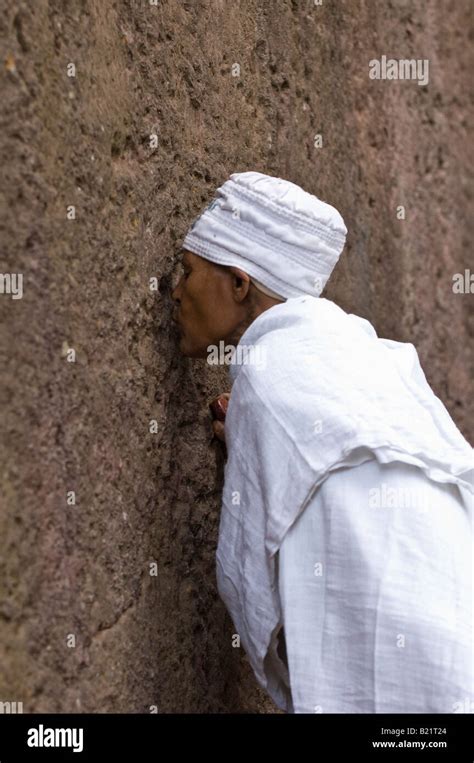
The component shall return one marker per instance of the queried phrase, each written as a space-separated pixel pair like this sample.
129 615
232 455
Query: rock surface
225 87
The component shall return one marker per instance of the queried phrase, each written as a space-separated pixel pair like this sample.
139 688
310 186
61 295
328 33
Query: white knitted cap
286 238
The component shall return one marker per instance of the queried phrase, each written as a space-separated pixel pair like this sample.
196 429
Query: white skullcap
271 229
265 290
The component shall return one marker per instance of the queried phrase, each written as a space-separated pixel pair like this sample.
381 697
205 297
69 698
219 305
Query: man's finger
219 430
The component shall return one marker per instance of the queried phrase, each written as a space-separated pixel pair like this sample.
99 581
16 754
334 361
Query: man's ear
240 281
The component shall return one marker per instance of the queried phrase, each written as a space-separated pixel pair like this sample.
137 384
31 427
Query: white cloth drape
320 392
375 585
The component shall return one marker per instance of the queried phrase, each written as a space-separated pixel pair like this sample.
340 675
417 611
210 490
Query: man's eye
179 274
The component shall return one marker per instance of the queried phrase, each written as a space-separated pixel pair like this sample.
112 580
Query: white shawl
330 394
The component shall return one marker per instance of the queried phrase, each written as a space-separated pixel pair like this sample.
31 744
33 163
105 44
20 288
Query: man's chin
190 351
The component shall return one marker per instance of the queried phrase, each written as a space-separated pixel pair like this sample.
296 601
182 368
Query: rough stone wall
83 570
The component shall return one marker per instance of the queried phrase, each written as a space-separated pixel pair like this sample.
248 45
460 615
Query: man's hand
218 409
219 430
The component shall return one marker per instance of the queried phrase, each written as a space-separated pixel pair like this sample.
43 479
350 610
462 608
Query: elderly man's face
212 301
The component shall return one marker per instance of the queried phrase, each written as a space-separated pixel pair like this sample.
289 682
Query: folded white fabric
375 583
330 393
286 238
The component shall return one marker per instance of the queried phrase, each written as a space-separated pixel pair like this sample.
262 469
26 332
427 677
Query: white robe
329 394
375 585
